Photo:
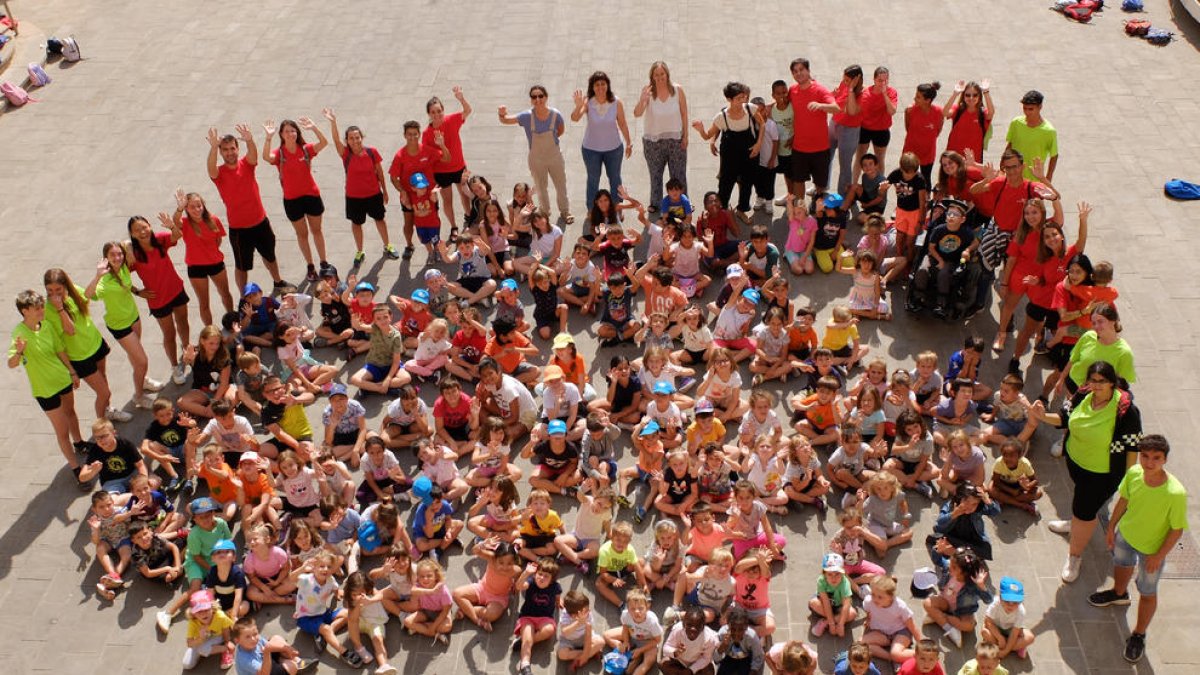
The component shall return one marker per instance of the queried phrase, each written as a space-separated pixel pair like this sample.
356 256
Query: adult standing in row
1102 343
923 121
812 104
739 131
665 134
113 285
970 112
366 188
202 234
162 288
52 378
544 126
448 173
846 124
249 228
603 133
879 103
302 203
86 348
415 157
1033 136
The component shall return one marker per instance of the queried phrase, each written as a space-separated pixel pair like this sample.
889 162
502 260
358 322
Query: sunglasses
537 96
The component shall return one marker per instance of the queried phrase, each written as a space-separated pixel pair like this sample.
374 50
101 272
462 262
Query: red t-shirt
965 132
718 224
361 179
875 116
963 191
412 322
158 273
840 96
295 172
405 165
239 190
364 313
1005 203
451 124
425 209
810 128
910 668
924 127
1024 256
471 346
459 416
203 248
1051 272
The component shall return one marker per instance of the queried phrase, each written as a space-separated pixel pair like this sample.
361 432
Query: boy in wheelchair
950 263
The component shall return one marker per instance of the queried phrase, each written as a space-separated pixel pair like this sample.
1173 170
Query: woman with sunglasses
1103 427
970 112
543 127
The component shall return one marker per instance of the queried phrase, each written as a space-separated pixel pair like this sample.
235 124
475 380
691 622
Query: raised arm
462 101
580 105
505 118
333 131
269 128
214 145
322 142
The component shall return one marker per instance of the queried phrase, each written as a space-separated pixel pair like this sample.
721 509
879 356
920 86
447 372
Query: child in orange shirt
259 502
817 415
223 484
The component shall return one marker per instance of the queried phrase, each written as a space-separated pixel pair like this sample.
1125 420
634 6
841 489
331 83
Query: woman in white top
602 138
664 137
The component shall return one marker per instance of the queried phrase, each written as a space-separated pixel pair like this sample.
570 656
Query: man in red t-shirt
414 157
249 228
1002 197
812 104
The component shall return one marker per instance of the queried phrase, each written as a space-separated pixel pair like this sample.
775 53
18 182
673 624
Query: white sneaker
1056 448
151 384
364 654
759 202
954 635
1059 526
179 374
163 620
781 201
115 415
1070 570
144 402
768 209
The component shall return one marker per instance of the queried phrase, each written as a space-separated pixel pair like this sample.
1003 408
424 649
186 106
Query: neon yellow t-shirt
1152 512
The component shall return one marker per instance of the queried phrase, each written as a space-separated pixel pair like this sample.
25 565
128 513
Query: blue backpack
1132 5
1181 189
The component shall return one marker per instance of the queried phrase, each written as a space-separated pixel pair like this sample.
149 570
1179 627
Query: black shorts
876 137
165 311
84 368
1043 315
308 205
783 165
1060 355
120 333
52 402
844 352
246 240
443 180
697 355
459 434
205 271
345 437
533 541
472 284
811 166
1092 490
301 511
358 209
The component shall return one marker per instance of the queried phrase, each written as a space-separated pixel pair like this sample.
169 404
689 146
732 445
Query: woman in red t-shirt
448 173
1022 263
956 175
162 288
366 187
1053 256
301 198
878 105
922 125
845 125
202 234
970 111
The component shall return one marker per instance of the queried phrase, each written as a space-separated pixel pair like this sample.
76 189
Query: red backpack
1137 27
1082 11
16 95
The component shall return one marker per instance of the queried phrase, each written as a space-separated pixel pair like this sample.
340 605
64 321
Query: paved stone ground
116 133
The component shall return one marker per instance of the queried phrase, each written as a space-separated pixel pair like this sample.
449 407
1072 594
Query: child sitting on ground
1004 620
1014 482
617 562
890 632
831 608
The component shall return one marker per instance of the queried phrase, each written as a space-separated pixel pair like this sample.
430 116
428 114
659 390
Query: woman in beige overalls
543 125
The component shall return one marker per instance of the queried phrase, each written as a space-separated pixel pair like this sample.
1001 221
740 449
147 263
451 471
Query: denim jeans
610 161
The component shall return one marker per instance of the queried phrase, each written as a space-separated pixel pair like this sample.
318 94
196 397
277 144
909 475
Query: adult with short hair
665 134
415 157
544 126
249 228
878 103
1032 135
813 104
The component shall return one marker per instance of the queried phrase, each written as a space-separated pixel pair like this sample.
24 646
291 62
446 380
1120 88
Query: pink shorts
743 546
535 622
486 597
864 567
736 345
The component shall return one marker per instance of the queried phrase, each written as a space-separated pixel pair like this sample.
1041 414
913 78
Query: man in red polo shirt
414 157
812 104
249 228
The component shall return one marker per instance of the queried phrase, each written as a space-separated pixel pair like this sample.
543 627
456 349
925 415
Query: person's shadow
47 506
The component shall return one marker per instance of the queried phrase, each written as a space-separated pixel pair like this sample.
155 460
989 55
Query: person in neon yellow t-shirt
1033 136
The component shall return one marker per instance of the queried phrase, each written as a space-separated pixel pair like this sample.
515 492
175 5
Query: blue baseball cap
421 487
832 200
556 428
1011 590
418 180
364 286
420 295
338 389
752 295
650 428
224 545
663 388
509 284
204 505
251 288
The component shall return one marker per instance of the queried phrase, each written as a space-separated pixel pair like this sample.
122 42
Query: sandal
998 343
106 593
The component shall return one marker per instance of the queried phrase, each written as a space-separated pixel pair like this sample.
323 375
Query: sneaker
364 654
781 201
321 644
115 415
352 659
1108 598
311 275
1059 526
226 659
925 489
686 383
163 621
1135 648
173 486
324 267
744 215
608 343
1021 653
305 664
189 486
282 287
514 644
408 253
759 203
182 533
390 252
433 555
768 208
583 567
757 380
387 669
1070 570
821 505
1014 366
623 501
144 402
525 670
1056 448
819 627
151 384
570 492
359 257
179 373
954 635
640 514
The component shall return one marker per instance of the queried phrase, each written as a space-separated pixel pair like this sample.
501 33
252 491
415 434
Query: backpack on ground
1080 11
38 76
53 47
1181 189
1132 5
17 96
1137 27
70 49
1158 36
